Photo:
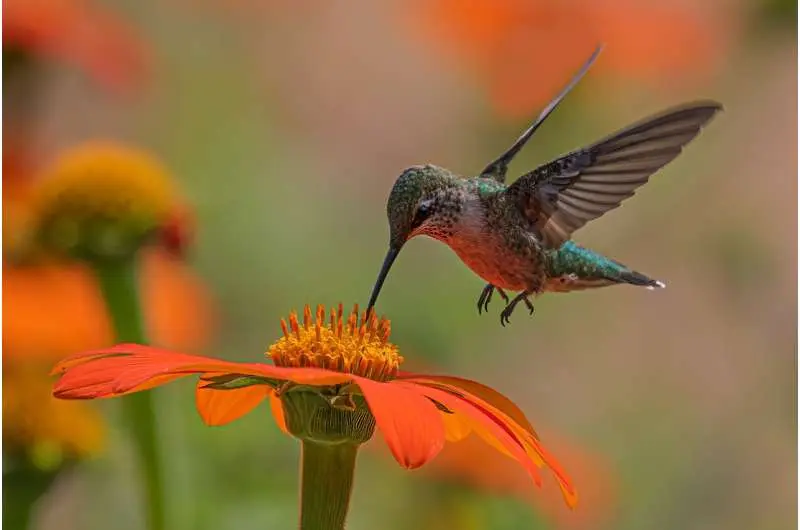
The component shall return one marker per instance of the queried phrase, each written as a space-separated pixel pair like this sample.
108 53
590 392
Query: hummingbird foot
486 297
505 315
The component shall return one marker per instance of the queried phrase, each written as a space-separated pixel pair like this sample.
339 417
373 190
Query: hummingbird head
418 204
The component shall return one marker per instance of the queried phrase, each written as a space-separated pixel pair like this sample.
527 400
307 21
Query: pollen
103 197
353 344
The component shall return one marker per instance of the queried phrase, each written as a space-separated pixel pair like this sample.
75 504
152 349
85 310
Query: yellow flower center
359 346
104 199
41 428
18 220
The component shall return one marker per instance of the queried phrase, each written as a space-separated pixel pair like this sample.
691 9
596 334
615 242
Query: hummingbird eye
424 210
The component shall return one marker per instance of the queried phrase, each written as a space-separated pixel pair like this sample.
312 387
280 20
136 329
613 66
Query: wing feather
565 194
498 168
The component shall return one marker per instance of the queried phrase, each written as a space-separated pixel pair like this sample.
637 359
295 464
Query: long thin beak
387 264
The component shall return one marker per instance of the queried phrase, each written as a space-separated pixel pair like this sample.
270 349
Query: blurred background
285 124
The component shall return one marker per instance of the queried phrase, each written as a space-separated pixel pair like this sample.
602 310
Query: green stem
327 480
25 486
119 285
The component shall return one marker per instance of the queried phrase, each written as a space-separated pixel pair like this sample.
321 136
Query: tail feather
574 268
637 278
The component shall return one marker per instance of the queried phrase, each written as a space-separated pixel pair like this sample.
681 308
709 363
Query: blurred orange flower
53 308
17 197
468 463
104 200
40 428
524 51
56 309
80 32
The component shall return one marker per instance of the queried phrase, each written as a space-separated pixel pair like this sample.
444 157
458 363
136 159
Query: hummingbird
517 237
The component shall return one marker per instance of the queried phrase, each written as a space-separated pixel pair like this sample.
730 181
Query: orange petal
218 407
132 367
277 412
157 381
95 39
495 404
471 463
178 308
58 307
57 310
598 485
487 436
456 427
487 394
529 441
497 429
410 423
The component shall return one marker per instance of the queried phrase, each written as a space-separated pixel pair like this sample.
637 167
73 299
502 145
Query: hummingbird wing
498 168
563 195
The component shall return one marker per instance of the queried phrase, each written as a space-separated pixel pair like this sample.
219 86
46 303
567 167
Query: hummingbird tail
574 268
637 278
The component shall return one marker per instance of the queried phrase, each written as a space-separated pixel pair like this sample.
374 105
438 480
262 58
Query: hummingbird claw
505 315
529 305
503 294
486 297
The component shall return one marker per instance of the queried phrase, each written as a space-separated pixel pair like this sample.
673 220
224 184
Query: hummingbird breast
498 250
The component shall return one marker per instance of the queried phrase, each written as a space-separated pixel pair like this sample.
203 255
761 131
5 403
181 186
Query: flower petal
487 394
502 430
218 407
132 367
529 441
93 38
277 412
410 423
497 405
456 427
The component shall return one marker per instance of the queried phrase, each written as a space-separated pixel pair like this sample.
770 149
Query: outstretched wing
498 168
565 194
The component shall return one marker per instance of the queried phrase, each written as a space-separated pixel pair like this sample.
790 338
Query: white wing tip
658 284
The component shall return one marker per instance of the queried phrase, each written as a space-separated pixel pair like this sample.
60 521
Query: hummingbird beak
387 264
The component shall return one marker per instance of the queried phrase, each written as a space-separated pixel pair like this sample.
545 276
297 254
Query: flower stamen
361 347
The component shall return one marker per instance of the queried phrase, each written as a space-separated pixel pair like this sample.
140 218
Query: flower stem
118 283
327 480
25 485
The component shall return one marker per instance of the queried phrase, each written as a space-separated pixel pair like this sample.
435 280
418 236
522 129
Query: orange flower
57 306
598 489
44 430
53 309
80 32
58 309
525 50
467 463
18 217
330 382
106 200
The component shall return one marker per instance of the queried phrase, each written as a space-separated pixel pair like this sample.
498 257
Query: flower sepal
234 381
326 416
